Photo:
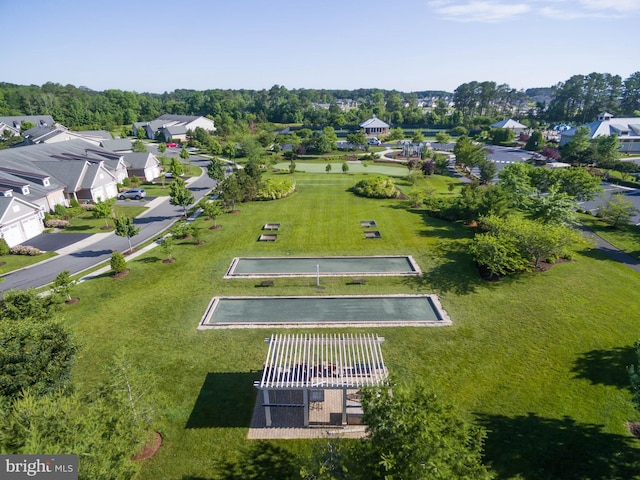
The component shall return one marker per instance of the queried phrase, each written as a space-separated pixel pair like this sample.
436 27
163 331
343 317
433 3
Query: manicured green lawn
16 262
625 237
336 168
538 359
85 223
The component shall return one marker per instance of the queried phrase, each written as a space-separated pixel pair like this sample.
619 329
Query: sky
404 45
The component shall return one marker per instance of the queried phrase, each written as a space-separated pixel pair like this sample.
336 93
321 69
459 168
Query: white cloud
479 11
497 11
612 6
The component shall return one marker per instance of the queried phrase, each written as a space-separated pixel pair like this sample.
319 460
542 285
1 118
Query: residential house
13 124
117 145
19 219
80 168
510 124
143 165
33 186
375 127
627 129
58 133
173 133
165 125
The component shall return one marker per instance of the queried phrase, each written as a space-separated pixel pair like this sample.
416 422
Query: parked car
374 141
172 144
135 193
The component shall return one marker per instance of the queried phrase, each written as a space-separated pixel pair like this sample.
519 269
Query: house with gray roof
509 124
374 126
76 165
626 128
13 124
144 165
59 133
19 219
186 122
117 145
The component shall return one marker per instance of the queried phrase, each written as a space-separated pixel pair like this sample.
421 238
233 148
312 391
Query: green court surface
336 167
324 266
334 311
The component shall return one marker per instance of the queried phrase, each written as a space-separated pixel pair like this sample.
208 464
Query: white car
374 141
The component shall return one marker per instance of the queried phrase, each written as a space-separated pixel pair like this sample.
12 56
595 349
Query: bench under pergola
315 363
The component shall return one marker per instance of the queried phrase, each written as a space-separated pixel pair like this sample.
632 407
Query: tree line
579 99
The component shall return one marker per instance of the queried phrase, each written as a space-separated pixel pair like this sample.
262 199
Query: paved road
94 250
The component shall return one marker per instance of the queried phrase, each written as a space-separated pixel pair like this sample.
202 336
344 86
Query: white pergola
310 363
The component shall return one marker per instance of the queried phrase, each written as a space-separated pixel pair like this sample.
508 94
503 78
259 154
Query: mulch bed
542 267
2 264
634 428
151 446
129 252
105 227
124 273
169 260
215 227
72 301
233 212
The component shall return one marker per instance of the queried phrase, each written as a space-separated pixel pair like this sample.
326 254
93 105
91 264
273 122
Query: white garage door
112 190
12 235
32 227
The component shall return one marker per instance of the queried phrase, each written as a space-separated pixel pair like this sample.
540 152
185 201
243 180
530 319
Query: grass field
538 359
86 223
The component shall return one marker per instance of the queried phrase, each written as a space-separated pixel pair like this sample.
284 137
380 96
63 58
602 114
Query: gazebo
311 365
375 126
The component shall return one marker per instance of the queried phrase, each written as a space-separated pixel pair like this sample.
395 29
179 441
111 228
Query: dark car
135 193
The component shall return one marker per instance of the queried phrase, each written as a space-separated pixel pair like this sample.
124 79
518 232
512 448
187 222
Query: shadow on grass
606 367
226 400
148 260
533 447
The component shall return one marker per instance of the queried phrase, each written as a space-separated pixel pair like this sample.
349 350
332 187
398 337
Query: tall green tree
467 153
180 195
63 284
212 210
28 305
578 149
176 167
104 209
414 434
139 146
126 228
443 137
536 142
230 191
35 355
216 170
617 211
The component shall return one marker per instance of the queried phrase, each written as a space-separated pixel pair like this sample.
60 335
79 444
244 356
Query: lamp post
317 275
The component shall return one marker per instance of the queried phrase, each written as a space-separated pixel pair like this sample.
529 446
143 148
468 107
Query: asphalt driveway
50 242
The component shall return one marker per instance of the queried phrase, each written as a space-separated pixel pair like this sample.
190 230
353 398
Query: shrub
4 248
60 210
118 262
126 182
25 250
74 203
182 230
135 180
376 187
274 188
56 223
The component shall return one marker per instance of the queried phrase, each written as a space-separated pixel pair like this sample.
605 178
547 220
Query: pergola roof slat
323 361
